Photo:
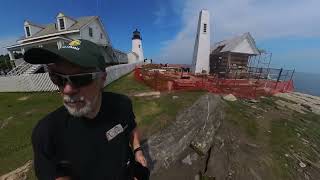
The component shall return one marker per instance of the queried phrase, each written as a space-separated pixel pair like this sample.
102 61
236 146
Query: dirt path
235 156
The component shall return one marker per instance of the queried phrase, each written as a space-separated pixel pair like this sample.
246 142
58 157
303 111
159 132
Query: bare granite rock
164 148
202 142
18 174
292 106
5 122
187 160
151 93
230 97
302 101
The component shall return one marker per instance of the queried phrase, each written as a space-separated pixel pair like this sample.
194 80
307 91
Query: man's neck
96 108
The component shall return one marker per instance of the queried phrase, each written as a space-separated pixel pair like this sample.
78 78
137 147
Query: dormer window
61 23
28 31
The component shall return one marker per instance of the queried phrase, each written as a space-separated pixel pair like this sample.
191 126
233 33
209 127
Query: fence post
278 79
292 74
286 87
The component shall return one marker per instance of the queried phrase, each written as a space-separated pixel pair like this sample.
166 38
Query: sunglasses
77 80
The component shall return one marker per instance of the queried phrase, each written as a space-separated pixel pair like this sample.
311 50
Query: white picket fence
42 82
115 72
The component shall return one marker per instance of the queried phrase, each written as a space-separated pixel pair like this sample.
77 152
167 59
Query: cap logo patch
73 45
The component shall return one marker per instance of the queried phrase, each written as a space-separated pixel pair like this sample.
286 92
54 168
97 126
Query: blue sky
290 29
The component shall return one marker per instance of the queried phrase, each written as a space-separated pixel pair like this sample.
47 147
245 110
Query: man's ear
104 76
103 79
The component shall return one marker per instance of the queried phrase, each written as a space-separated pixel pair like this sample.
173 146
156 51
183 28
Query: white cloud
264 19
6 41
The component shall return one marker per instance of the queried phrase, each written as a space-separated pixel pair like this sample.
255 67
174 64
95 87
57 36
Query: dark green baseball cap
81 52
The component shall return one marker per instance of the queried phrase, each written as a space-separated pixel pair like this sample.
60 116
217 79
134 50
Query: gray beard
85 110
79 112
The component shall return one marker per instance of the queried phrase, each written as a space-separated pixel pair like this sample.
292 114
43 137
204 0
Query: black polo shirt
95 149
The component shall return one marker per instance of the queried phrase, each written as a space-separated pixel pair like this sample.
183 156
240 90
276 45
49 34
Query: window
28 31
101 36
61 22
204 28
90 32
139 46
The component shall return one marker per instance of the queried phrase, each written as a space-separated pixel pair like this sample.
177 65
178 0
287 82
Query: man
93 136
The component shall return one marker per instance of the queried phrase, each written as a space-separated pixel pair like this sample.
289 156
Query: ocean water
308 83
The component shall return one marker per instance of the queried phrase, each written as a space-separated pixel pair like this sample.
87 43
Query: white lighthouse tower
137 45
201 53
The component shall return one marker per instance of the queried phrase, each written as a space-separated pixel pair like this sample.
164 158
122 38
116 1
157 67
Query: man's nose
69 89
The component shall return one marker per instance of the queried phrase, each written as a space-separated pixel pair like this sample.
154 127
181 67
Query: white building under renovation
224 56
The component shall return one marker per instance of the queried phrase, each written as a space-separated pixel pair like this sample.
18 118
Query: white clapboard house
60 33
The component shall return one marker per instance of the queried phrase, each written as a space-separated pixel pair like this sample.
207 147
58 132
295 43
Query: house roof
51 28
37 41
33 24
239 44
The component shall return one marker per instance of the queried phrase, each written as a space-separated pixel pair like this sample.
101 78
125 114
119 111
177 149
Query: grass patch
283 137
155 114
150 110
238 113
296 134
17 118
284 140
267 102
127 85
284 134
147 109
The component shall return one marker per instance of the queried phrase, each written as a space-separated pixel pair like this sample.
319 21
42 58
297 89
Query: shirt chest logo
113 132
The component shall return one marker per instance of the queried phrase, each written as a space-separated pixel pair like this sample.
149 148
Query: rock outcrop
229 97
18 174
202 142
300 102
196 124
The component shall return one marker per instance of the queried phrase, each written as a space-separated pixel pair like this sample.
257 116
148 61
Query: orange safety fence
244 88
